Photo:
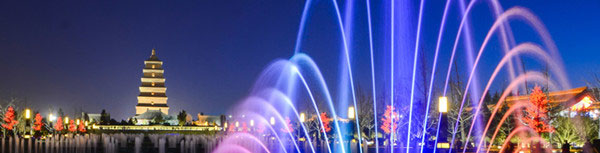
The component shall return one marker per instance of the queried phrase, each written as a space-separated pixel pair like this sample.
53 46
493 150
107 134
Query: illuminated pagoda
152 91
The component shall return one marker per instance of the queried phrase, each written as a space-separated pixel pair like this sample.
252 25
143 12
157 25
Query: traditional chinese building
566 101
152 91
576 99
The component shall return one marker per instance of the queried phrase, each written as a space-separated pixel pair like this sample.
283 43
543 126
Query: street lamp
442 140
27 122
272 120
77 121
351 112
237 124
67 120
302 117
443 105
251 122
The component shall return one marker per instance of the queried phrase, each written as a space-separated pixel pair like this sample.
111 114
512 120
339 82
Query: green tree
104 117
158 119
181 117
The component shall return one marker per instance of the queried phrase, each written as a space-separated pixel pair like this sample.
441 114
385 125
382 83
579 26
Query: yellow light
585 103
443 105
443 145
27 113
302 117
86 123
66 120
272 121
301 139
77 121
237 124
351 112
251 122
225 124
51 117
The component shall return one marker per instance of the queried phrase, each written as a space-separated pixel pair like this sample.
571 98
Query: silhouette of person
566 147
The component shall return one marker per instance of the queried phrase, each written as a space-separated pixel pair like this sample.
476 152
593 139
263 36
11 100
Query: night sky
89 54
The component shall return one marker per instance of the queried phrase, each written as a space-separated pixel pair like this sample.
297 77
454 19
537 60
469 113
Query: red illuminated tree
325 120
244 127
72 127
38 122
536 114
9 119
81 127
389 125
260 128
231 129
59 125
289 128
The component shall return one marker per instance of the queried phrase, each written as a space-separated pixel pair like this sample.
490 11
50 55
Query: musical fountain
291 105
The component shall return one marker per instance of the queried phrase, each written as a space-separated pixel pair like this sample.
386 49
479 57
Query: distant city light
272 121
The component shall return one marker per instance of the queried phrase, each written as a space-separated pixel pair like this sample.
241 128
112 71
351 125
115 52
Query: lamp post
442 142
352 116
299 134
27 123
66 123
51 119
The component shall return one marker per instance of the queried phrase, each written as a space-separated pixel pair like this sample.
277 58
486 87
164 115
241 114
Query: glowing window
152 93
153 66
583 104
153 75
153 84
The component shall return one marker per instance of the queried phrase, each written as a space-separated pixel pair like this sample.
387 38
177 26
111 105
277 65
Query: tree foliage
72 127
388 124
181 117
325 120
288 128
81 127
38 122
536 115
59 124
104 117
9 119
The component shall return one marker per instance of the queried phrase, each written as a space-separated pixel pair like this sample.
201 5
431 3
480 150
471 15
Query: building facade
152 90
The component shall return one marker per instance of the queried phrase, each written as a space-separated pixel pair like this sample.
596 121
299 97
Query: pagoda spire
153 52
